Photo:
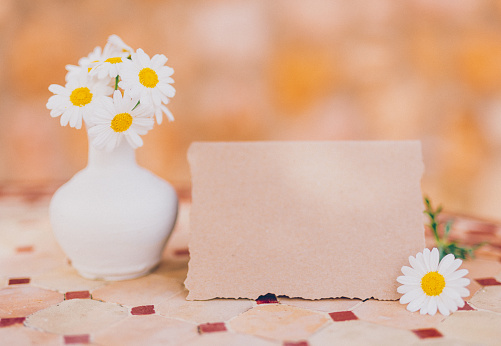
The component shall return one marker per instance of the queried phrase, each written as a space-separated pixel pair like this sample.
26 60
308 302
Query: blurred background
272 70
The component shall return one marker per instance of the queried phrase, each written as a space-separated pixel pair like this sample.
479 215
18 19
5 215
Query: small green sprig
443 244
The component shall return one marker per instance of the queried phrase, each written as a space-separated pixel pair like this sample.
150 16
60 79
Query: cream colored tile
280 322
353 333
21 301
77 316
173 269
147 330
215 310
481 327
325 305
142 291
29 264
394 314
445 341
229 339
65 279
488 298
21 335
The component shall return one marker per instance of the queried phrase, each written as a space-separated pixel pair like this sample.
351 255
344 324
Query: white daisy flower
114 53
84 64
119 118
117 46
77 99
148 80
430 285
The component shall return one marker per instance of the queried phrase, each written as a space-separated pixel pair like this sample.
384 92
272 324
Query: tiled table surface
43 301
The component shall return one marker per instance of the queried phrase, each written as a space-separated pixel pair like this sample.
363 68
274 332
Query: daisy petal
408 280
432 306
416 264
445 263
434 259
452 267
426 259
410 296
457 274
442 307
408 271
406 288
417 303
424 306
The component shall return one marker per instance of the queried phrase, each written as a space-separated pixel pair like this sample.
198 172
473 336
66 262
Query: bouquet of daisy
117 92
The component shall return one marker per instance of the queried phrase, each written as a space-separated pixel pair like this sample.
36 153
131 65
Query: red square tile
488 282
21 249
341 316
77 295
143 310
427 333
295 343
77 339
466 307
269 298
19 281
5 322
212 327
182 252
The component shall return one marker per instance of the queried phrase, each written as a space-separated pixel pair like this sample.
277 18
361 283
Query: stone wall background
273 70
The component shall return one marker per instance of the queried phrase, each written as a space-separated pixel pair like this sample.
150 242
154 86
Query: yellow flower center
114 60
81 96
148 77
121 122
433 283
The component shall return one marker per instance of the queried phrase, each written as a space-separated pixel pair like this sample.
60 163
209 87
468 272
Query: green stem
116 82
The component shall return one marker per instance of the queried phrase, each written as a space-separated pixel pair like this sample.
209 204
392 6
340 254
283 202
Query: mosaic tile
65 279
147 330
10 321
212 327
143 310
77 339
77 295
142 291
481 327
278 321
489 298
341 316
19 281
229 339
488 282
466 307
354 333
77 316
22 301
23 249
426 333
325 305
215 310
269 298
394 314
296 343
20 335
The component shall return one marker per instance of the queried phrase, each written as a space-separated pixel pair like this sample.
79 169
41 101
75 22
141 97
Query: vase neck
122 156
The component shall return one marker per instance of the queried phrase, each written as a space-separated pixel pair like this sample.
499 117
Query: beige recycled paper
303 219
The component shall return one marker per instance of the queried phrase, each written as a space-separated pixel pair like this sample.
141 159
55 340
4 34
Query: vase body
113 218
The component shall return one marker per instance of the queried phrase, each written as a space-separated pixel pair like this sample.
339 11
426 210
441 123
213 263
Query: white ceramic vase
113 218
